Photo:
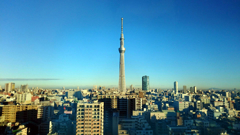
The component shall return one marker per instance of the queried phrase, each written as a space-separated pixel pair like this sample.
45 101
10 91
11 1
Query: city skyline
196 44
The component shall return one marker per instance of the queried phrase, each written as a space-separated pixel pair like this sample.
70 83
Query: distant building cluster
105 111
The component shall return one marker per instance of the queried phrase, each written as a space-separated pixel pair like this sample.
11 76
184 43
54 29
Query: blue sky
196 43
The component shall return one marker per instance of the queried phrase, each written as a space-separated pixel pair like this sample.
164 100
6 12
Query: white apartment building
181 105
137 125
21 98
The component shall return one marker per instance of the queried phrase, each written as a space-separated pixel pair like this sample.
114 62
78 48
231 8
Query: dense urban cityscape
52 52
101 110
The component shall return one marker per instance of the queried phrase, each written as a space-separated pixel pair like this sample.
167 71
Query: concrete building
184 89
237 103
23 113
9 87
65 126
43 128
122 83
145 83
191 90
124 107
90 118
23 97
61 126
195 89
45 110
198 105
176 87
154 116
188 122
137 125
110 104
70 93
161 128
181 105
137 103
218 103
24 88
131 87
19 113
124 104
176 130
214 113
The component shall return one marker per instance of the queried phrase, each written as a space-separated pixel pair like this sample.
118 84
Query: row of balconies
87 122
86 133
88 106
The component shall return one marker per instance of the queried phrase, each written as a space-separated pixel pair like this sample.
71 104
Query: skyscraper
184 89
195 89
191 89
122 83
24 88
176 87
131 87
145 83
9 87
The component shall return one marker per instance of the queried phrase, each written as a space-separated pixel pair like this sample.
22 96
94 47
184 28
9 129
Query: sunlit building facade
90 118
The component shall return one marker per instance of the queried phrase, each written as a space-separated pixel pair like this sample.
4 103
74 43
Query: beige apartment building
19 113
23 113
90 118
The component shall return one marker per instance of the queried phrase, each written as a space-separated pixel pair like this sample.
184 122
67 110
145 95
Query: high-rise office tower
90 118
24 88
176 87
195 89
191 89
6 86
94 87
9 87
145 83
131 87
184 89
122 83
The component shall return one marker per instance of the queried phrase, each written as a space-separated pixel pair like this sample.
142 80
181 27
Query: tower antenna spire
122 27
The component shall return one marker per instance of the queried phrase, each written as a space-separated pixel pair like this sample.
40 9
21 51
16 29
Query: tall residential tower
176 87
90 118
122 83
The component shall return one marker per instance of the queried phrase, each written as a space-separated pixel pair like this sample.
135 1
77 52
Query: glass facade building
145 83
